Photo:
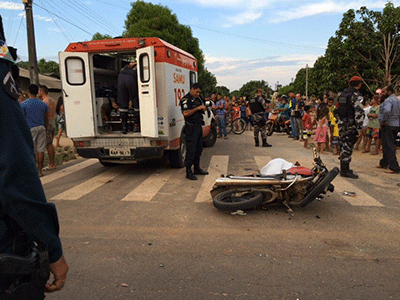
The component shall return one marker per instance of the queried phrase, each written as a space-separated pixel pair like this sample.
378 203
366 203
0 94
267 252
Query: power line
19 27
90 15
63 19
69 39
256 39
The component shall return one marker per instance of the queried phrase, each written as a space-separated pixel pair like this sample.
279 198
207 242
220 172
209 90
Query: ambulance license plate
120 152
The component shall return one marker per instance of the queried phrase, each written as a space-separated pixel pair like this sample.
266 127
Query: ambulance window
144 67
75 68
192 78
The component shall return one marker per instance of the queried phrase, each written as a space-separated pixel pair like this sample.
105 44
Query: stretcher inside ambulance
89 74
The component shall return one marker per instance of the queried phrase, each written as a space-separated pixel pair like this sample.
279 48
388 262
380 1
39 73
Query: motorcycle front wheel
320 187
270 129
238 199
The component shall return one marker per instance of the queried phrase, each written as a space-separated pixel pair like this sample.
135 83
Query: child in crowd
60 119
307 124
334 133
363 133
373 126
322 129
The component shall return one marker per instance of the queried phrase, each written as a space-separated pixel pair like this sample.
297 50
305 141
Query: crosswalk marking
90 185
150 187
261 161
361 198
67 171
218 165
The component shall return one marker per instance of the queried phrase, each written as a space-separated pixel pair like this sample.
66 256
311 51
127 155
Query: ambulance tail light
81 143
159 143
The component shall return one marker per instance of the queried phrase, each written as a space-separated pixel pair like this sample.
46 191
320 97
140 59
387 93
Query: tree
98 36
223 90
50 67
366 44
250 88
149 20
208 81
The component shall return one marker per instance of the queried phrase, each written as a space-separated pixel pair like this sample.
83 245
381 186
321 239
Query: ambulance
89 74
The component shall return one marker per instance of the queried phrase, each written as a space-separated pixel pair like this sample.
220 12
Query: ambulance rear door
147 92
76 83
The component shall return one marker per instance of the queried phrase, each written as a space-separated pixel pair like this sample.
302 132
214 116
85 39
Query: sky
242 40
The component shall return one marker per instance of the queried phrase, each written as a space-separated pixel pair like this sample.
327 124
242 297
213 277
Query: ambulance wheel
177 157
210 139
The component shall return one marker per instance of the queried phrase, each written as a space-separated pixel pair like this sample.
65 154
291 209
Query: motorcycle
290 185
276 124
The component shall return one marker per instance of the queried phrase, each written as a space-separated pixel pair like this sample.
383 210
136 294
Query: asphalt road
145 232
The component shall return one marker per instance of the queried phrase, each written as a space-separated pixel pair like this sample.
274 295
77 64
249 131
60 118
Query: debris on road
351 194
239 213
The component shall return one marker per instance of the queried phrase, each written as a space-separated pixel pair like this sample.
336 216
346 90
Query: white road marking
361 198
150 187
261 161
67 171
218 165
90 185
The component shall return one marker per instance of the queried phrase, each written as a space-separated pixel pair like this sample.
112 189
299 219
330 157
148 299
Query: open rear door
77 92
147 92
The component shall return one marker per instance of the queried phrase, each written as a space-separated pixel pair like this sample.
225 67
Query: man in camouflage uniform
350 115
258 105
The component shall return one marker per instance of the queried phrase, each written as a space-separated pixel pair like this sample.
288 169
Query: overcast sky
242 40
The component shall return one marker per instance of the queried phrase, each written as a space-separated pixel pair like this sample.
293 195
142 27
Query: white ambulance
89 73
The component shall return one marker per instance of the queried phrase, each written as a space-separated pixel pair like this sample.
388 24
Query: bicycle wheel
228 125
238 126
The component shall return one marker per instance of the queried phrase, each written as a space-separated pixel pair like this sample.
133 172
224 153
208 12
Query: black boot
189 174
346 172
124 122
265 144
199 171
257 142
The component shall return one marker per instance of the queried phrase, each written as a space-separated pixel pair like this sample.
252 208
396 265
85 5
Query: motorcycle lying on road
295 185
276 124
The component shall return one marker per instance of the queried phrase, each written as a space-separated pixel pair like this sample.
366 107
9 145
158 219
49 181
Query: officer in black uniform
350 115
193 108
25 216
128 91
258 105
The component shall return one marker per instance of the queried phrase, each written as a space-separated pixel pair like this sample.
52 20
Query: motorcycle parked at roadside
291 185
277 124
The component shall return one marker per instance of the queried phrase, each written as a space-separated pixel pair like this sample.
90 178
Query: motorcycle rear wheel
270 129
320 187
238 199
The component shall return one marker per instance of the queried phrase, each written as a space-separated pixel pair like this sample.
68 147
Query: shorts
61 126
50 132
373 133
39 138
306 134
335 141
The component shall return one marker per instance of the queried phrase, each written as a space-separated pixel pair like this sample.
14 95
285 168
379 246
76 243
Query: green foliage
208 81
98 36
223 90
149 20
286 89
250 88
366 44
44 67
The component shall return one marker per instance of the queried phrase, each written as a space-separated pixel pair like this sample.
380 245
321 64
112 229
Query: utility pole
33 66
307 81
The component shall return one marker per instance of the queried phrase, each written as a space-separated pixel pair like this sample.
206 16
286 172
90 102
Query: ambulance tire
211 138
177 157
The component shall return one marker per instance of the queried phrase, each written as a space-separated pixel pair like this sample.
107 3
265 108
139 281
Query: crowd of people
318 122
41 112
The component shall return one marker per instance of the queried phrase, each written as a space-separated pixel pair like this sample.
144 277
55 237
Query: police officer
24 210
258 105
128 92
350 115
193 108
